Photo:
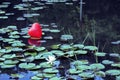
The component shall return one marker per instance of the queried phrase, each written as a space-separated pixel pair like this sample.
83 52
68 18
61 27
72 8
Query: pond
67 50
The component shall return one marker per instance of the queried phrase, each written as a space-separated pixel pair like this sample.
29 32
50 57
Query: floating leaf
39 48
97 66
9 56
91 48
17 75
86 75
100 73
80 52
100 54
116 65
55 46
49 75
80 46
50 70
83 67
66 37
65 47
11 62
74 71
45 65
55 78
80 62
35 78
107 62
27 65
7 66
113 72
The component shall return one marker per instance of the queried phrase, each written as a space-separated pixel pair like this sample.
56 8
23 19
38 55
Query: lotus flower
51 59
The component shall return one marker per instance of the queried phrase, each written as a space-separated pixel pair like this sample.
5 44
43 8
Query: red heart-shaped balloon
35 31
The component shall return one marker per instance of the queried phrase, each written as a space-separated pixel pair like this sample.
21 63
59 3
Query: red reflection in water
35 42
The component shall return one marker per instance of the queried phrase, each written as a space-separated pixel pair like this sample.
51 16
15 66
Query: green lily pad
30 53
18 43
50 70
11 62
14 33
54 30
39 48
27 65
66 37
12 27
2 59
14 36
45 65
17 49
8 40
17 75
57 52
116 65
80 46
100 73
74 71
55 46
107 62
101 54
69 54
80 52
113 72
7 66
86 75
55 78
83 67
5 50
49 75
65 47
35 78
9 56
80 62
97 66
91 48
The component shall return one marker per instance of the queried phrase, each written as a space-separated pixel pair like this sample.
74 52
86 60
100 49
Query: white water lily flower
51 59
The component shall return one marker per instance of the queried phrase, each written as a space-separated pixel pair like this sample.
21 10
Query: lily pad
49 75
27 65
45 65
50 70
116 65
80 62
9 56
65 47
86 75
39 48
97 66
100 73
11 62
35 78
101 54
113 72
74 71
66 37
80 46
83 67
91 48
107 62
55 78
80 52
7 66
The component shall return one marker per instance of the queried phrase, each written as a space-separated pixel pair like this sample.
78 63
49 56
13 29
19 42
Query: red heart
35 31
